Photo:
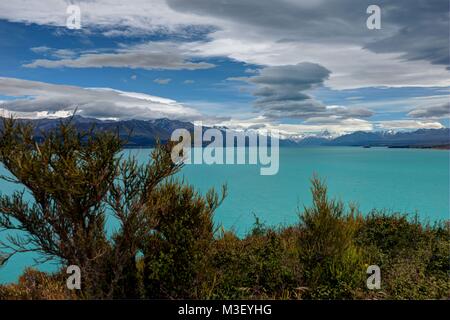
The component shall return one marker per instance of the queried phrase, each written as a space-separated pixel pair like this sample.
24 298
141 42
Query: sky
299 66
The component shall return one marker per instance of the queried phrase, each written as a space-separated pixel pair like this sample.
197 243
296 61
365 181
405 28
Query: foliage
73 179
36 285
68 175
258 266
333 266
175 252
414 256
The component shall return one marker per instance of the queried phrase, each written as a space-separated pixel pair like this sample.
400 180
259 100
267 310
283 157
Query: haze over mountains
145 133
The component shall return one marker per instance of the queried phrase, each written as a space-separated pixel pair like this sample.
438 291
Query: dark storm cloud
423 31
310 18
415 28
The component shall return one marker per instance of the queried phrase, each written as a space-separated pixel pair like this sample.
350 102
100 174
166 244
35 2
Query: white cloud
34 115
133 15
402 104
36 99
151 55
41 49
300 130
162 81
351 66
334 126
407 124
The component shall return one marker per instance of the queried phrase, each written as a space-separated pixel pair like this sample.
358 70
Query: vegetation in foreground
166 245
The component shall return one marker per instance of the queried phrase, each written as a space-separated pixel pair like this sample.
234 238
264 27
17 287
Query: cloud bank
36 99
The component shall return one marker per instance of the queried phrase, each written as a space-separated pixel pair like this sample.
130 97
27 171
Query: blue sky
216 62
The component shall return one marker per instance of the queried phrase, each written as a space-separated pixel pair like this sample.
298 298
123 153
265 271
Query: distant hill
144 133
418 138
138 133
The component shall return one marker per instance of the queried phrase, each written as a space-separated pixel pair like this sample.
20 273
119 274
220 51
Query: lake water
404 180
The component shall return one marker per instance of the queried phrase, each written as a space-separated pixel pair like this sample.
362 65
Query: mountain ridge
145 133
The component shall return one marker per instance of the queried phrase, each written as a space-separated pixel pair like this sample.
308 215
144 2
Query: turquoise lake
398 180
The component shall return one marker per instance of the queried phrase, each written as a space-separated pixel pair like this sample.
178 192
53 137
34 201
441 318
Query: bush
413 257
36 285
176 250
390 233
406 277
333 265
262 265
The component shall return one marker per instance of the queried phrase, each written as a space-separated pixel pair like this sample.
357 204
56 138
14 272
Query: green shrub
390 233
262 265
406 277
176 250
413 257
333 266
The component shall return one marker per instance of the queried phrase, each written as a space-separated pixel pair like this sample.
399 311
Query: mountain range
145 133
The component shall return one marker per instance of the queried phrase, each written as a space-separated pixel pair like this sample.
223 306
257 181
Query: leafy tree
74 179
68 174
